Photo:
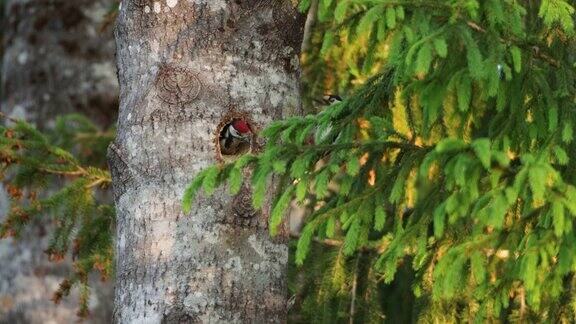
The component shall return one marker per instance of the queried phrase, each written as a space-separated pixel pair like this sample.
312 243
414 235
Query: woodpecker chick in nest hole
235 137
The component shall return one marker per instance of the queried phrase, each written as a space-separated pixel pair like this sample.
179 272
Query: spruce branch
81 222
531 47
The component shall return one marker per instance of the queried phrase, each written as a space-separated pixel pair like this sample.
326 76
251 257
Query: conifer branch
364 145
535 49
75 173
326 242
79 218
3 115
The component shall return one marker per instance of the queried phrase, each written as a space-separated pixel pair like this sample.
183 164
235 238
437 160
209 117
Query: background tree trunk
186 67
55 61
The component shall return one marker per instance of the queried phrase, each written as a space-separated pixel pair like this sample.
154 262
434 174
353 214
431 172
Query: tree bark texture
55 61
186 67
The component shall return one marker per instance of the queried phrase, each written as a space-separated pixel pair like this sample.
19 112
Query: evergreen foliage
334 62
451 159
58 175
444 165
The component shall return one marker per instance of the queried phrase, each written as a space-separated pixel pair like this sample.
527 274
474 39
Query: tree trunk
186 68
55 61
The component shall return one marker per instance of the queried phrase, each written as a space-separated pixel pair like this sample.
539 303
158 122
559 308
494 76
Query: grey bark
185 67
54 61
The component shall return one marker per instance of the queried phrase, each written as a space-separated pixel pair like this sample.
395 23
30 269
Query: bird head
241 129
331 99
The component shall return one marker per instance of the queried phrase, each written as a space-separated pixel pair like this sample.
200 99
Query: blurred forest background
443 192
58 75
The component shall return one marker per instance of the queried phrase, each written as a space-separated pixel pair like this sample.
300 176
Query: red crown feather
241 126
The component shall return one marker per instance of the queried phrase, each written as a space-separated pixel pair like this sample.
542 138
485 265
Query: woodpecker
235 137
327 100
331 99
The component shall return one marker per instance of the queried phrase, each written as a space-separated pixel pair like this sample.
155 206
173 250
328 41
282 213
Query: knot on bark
141 3
240 213
177 85
242 203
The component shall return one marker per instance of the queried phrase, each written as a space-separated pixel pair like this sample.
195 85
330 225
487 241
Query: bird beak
319 101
